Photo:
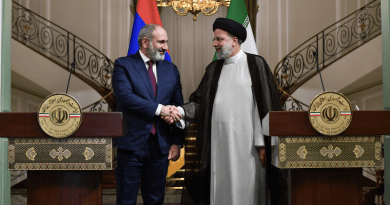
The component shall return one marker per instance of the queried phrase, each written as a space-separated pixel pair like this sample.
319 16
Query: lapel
161 78
142 70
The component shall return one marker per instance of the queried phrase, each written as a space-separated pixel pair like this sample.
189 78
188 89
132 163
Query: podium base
64 187
326 186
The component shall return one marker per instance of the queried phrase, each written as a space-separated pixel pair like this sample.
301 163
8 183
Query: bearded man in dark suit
145 85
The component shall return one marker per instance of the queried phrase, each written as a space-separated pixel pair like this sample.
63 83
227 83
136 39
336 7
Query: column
5 96
386 87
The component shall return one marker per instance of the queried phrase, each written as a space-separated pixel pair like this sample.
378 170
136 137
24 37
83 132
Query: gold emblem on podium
59 115
330 113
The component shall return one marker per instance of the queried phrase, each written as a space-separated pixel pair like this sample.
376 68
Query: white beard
154 53
226 52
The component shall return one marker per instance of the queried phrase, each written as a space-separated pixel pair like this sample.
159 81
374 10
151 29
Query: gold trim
282 152
61 153
88 153
31 154
302 152
378 150
59 115
358 151
60 166
290 140
330 164
327 109
330 152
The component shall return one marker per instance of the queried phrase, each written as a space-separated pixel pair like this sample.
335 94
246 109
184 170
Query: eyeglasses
218 39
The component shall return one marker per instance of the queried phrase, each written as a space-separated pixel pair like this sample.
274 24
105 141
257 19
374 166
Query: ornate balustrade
63 48
330 44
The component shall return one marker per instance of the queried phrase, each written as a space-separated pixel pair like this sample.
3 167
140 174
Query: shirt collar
234 58
144 58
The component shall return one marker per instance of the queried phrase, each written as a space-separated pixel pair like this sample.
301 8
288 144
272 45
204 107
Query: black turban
230 26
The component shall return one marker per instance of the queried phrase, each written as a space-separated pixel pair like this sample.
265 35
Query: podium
327 169
62 171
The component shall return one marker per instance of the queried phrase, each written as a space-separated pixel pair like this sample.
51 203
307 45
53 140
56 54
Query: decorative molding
363 88
108 29
31 154
19 102
327 152
48 11
336 151
120 13
359 151
287 27
100 46
280 41
20 88
368 97
88 153
61 154
28 103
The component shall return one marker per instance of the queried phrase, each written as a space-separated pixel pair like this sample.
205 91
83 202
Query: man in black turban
229 106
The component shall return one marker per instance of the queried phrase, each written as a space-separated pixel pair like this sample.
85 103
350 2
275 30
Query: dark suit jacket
135 98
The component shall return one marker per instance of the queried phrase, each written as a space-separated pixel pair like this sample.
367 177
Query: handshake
170 114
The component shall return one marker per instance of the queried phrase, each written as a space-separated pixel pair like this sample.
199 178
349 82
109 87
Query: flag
146 13
237 12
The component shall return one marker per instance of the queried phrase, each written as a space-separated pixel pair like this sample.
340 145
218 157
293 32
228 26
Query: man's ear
235 41
145 42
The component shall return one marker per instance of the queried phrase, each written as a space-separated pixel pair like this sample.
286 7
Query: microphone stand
318 70
72 68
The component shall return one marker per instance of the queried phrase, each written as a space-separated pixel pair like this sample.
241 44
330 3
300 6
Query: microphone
72 68
318 70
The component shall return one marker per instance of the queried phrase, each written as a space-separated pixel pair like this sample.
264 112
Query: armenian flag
146 13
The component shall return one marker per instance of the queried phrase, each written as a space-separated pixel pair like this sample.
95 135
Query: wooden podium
62 171
327 169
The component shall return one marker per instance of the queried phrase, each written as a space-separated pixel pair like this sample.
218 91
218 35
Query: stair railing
63 48
331 44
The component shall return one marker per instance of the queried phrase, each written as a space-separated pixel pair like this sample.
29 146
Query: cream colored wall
368 99
190 45
24 102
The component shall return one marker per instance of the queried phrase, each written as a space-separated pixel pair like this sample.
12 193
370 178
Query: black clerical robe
199 110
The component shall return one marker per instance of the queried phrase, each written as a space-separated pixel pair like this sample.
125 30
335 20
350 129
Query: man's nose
215 43
165 46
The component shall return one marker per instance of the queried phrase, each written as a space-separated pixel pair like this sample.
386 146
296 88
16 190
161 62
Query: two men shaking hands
170 114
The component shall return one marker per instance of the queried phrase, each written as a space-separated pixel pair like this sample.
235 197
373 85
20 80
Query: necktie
151 75
153 81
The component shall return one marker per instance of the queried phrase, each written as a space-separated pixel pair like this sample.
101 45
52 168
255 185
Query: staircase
331 44
63 47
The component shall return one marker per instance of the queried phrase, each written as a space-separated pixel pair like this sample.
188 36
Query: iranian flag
237 12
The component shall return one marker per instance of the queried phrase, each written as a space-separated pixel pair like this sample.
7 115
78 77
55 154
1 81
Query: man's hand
170 114
174 153
262 155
